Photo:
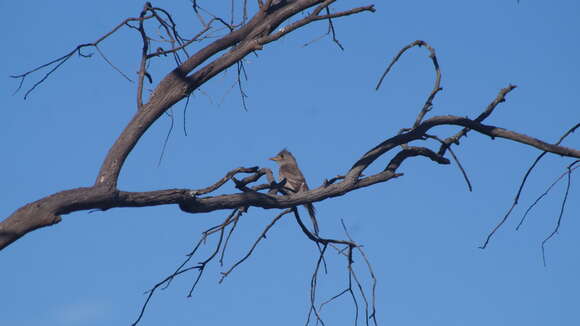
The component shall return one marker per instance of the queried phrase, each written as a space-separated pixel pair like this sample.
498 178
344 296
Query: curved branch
424 127
178 84
183 80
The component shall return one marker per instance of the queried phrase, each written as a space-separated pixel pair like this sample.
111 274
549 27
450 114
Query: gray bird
295 180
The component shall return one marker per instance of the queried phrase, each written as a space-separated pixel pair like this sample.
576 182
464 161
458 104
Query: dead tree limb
195 70
259 31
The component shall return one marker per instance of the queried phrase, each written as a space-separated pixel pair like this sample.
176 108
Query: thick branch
423 128
175 86
494 131
47 211
178 84
260 30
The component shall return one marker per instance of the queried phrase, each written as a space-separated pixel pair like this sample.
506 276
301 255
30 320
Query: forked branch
195 70
175 86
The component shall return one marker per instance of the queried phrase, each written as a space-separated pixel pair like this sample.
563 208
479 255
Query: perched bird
294 179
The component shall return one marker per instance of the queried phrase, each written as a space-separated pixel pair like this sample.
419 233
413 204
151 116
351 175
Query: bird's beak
275 158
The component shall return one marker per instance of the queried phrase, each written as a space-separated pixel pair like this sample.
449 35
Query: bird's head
284 156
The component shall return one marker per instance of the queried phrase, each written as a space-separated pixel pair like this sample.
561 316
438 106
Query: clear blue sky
420 231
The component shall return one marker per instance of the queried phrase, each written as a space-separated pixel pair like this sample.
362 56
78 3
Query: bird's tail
312 213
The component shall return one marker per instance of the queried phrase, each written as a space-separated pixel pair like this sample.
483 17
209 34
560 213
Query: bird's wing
294 178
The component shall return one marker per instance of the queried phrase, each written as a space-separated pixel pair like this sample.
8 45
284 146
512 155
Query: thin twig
144 51
353 296
262 236
500 98
373 314
526 175
331 30
469 187
313 286
185 114
232 229
61 60
170 114
436 86
456 160
164 284
559 221
545 193
243 95
223 180
395 59
112 65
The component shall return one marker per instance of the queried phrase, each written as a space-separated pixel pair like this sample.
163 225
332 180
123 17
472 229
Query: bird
295 181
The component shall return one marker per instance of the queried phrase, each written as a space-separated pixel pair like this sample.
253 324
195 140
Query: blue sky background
420 231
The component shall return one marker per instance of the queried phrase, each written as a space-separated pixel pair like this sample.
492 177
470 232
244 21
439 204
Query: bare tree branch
517 197
569 170
47 211
260 237
61 60
559 220
192 72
